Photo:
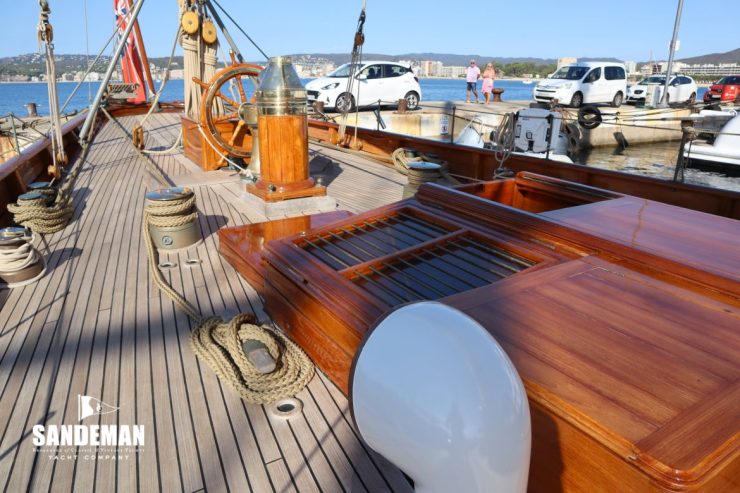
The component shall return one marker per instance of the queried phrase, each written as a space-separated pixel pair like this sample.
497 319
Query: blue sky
625 29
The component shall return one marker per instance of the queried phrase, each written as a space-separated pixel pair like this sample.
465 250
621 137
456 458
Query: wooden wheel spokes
230 101
240 86
225 118
232 139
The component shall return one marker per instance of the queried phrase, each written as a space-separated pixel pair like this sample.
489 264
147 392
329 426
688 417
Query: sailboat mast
674 40
109 72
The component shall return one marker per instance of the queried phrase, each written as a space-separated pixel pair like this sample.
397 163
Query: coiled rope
16 255
18 258
42 218
219 343
401 160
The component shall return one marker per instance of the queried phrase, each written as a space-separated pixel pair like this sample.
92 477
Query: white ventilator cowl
434 393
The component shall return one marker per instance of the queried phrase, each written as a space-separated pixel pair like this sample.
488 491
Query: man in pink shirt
472 77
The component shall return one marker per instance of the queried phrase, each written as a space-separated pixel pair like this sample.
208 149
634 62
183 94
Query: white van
584 83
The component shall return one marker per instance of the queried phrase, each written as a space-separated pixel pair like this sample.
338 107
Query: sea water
656 160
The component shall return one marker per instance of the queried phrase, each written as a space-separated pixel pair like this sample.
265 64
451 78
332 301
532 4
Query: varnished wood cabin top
704 241
661 386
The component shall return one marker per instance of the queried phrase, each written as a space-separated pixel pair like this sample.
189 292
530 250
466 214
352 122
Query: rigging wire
89 69
87 54
240 29
355 61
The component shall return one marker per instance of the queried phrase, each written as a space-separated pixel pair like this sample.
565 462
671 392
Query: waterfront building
453 71
567 61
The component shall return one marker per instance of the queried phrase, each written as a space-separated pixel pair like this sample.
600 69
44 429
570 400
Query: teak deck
621 315
95 325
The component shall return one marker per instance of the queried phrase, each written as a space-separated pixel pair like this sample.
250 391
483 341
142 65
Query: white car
376 83
584 83
680 88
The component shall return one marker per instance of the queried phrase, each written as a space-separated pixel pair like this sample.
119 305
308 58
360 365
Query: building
712 69
454 71
428 68
567 61
630 67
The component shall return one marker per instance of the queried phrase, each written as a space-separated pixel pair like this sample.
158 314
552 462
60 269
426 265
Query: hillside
32 64
715 58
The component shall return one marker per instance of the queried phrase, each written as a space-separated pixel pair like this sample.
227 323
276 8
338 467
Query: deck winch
172 218
20 262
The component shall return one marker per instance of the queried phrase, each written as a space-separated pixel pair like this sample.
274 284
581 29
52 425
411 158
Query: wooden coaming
242 245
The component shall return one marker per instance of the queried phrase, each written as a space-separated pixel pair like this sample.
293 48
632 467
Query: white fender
470 136
434 393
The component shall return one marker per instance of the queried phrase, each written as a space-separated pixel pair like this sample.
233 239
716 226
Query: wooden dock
95 325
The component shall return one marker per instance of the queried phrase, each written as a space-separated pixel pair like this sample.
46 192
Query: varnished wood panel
242 245
628 352
283 149
199 151
670 407
679 234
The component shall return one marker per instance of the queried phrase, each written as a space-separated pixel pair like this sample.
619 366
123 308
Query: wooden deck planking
80 323
56 309
97 315
46 318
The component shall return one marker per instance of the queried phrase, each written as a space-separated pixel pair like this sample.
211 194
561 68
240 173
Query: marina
243 281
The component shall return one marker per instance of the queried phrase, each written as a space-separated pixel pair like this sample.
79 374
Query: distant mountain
32 64
445 58
715 58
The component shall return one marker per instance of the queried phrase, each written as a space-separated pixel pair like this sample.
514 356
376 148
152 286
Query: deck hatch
366 240
454 264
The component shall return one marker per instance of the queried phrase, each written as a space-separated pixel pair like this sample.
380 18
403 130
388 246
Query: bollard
402 105
497 95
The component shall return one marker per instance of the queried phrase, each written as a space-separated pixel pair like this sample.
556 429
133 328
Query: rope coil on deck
34 211
20 261
403 156
219 343
18 258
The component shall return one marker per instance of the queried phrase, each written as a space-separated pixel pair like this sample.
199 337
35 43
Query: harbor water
655 160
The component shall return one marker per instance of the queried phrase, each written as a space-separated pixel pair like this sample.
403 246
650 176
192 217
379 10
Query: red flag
132 68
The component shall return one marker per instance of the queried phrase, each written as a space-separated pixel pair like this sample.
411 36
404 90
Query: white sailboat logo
90 406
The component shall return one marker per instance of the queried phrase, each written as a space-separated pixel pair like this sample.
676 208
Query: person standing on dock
488 75
472 77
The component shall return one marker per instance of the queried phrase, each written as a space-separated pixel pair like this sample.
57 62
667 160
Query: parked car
680 88
386 82
584 83
725 89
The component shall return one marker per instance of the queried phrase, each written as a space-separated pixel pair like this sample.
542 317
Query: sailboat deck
95 325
